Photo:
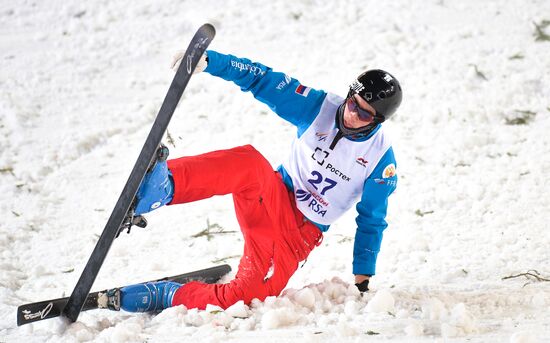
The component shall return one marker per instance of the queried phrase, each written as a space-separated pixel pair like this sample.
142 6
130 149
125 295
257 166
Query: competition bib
328 182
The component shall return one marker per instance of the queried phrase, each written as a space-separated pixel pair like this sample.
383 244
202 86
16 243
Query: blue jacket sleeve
372 213
285 96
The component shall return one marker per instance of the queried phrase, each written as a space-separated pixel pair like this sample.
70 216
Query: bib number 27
318 181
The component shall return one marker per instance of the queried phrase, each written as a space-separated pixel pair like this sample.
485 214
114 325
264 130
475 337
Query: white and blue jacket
327 179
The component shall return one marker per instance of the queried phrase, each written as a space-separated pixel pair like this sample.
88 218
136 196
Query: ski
122 213
41 310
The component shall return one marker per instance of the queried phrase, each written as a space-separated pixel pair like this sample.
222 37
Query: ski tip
209 28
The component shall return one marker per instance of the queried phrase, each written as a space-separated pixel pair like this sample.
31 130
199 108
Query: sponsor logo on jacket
321 136
361 161
320 155
314 201
284 83
391 183
338 173
250 67
389 171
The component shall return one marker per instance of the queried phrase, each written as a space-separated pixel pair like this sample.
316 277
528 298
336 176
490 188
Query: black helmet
381 90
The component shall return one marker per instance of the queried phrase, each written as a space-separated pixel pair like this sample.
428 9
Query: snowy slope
80 83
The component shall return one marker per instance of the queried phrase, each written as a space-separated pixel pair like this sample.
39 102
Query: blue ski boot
142 297
156 189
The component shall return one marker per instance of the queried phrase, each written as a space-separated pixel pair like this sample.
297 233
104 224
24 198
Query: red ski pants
276 234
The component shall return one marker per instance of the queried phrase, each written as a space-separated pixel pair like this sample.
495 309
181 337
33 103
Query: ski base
41 310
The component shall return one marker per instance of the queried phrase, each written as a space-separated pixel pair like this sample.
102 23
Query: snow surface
81 81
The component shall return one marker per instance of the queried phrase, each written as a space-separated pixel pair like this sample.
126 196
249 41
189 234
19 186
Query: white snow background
81 82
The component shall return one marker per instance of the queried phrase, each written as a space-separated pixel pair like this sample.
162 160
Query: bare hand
203 62
361 278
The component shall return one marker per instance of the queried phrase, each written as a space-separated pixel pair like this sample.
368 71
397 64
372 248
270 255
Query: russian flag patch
302 90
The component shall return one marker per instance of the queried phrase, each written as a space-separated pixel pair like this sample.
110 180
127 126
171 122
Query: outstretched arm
284 95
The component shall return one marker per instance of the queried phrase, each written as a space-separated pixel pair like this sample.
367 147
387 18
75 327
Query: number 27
318 179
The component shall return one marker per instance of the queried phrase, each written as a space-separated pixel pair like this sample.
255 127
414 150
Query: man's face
357 112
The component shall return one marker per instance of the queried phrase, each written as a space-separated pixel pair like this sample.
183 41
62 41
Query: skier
341 155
